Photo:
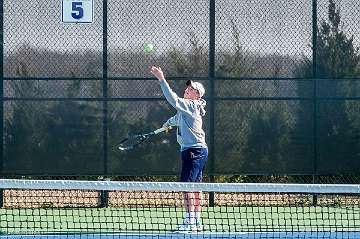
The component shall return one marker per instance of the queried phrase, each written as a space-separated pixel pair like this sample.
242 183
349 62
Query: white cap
197 86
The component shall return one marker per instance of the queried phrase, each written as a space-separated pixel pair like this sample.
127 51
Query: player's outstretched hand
157 72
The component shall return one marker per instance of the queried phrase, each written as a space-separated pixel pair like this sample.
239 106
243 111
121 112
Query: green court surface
164 220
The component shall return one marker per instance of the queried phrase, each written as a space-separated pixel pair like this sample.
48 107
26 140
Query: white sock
187 218
198 217
190 218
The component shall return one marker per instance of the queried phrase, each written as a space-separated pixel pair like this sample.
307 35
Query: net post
1 198
104 199
212 194
314 196
104 196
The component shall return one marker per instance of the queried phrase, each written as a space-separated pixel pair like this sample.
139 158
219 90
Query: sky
281 27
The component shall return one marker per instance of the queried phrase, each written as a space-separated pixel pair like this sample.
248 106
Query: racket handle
159 130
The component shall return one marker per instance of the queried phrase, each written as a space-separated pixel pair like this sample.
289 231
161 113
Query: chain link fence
281 78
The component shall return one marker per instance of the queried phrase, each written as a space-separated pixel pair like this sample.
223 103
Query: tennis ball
148 47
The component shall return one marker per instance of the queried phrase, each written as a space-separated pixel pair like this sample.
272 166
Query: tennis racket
134 140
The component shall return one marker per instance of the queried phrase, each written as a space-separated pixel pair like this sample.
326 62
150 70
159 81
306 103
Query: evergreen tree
251 135
337 59
24 125
51 137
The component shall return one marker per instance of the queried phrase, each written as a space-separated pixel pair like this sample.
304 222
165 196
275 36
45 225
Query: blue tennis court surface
247 235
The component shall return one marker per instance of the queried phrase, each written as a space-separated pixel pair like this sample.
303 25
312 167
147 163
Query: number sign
77 11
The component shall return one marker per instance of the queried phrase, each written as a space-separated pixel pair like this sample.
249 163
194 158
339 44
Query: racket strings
132 141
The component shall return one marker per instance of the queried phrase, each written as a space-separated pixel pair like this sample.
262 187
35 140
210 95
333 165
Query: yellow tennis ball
148 47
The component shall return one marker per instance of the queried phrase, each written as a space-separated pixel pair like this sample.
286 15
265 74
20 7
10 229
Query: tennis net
37 207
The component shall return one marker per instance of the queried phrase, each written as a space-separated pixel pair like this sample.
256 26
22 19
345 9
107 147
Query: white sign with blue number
77 11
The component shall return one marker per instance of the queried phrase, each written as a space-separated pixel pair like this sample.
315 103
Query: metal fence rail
282 83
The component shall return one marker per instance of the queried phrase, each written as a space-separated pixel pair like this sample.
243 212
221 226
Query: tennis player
191 137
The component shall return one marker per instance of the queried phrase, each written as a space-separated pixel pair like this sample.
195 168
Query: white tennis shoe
190 228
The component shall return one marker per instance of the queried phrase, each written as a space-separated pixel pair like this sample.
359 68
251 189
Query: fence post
2 84
2 95
104 194
211 96
314 73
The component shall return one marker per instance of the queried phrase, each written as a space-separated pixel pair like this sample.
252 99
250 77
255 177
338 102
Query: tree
24 124
251 135
51 137
337 60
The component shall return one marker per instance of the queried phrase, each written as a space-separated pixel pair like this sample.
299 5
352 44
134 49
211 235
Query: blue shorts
193 164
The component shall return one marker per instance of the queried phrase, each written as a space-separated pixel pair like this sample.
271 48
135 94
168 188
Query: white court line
204 235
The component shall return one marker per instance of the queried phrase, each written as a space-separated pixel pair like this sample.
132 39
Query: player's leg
185 177
198 196
194 160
